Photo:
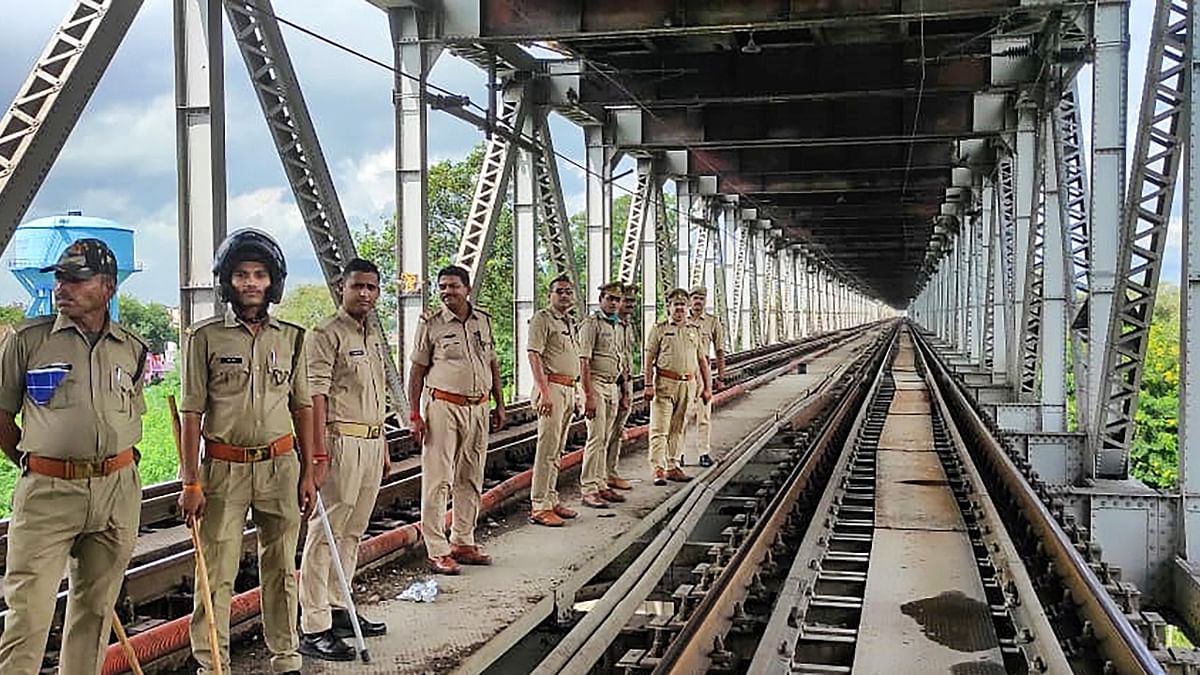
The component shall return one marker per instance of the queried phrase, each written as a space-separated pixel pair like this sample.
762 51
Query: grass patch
159 464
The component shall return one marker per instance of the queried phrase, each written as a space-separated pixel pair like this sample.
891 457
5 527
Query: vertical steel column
740 324
410 28
799 279
554 225
999 311
1055 286
1073 194
720 286
651 290
684 231
980 248
1026 207
1110 87
1189 321
600 157
199 152
525 199
1006 209
665 240
726 265
756 284
810 297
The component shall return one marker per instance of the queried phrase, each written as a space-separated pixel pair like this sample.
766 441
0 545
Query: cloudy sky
119 163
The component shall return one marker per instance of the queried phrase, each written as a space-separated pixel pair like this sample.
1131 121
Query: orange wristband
192 487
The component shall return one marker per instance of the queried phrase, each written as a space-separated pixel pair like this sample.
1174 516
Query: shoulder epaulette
34 323
204 323
292 324
428 314
480 310
136 338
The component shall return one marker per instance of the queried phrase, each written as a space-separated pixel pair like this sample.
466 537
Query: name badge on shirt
230 359
358 352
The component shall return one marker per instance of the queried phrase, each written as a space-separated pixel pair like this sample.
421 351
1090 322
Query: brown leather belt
241 455
358 429
458 399
561 379
672 375
77 469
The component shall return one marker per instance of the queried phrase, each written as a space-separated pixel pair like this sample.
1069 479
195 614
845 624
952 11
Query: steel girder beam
998 285
410 30
722 271
48 104
1025 232
601 157
686 199
1110 86
526 204
555 226
756 272
1006 197
199 152
639 209
278 92
1052 351
666 242
1073 196
741 323
1031 334
1189 342
491 187
1158 153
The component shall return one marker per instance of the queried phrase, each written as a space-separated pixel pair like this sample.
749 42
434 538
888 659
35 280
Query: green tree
11 314
151 320
306 305
1154 455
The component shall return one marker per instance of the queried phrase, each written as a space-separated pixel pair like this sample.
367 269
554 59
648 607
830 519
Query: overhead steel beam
491 187
199 152
1158 154
48 104
278 92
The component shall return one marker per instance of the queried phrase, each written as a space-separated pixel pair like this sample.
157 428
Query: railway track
890 533
158 583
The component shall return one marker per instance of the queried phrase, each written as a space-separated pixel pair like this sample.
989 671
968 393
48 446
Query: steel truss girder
631 248
1158 154
720 287
703 234
555 226
666 242
48 104
1076 204
739 283
1031 336
989 276
755 308
491 189
278 92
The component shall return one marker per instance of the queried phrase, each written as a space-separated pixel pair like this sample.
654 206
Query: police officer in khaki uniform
601 359
673 361
712 334
346 376
625 382
245 391
76 381
454 361
554 359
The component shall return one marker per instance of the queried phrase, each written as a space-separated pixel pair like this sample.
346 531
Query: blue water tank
38 243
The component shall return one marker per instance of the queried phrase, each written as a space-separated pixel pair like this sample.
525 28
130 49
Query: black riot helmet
249 244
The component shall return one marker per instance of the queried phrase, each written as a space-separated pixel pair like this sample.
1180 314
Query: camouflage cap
84 259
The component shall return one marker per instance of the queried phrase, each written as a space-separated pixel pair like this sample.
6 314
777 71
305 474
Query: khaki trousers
452 464
613 454
703 414
668 413
349 492
551 439
93 525
268 490
593 477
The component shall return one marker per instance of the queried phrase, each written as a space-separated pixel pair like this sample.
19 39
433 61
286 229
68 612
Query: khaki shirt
712 333
553 336
247 385
345 365
601 344
96 410
458 353
674 347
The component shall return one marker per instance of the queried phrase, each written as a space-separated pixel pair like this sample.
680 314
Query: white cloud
136 138
367 184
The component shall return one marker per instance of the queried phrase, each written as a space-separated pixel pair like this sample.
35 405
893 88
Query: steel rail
1117 638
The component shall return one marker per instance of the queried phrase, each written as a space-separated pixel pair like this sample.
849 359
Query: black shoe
343 629
705 460
325 646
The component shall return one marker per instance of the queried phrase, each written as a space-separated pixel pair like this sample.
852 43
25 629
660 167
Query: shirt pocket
451 348
122 389
230 379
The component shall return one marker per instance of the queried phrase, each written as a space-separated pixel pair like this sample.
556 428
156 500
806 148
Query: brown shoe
444 565
548 518
594 501
564 513
611 496
618 483
678 475
660 477
470 555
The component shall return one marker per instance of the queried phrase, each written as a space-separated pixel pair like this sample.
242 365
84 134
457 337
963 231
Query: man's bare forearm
189 465
10 436
302 421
